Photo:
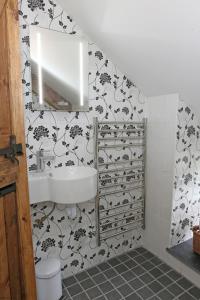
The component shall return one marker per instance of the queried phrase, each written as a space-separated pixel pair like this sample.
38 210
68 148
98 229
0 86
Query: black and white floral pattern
69 136
34 4
186 204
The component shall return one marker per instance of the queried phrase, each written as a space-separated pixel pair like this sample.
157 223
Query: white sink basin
38 187
68 185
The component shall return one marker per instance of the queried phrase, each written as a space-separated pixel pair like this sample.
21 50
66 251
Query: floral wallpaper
69 137
186 203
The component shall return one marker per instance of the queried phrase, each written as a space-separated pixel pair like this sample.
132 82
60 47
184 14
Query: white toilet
48 279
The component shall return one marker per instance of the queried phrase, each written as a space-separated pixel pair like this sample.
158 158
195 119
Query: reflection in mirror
59 70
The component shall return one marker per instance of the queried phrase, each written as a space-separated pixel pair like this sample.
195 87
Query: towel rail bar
120 213
118 233
124 183
120 137
120 146
120 122
120 226
121 191
120 220
120 162
122 205
121 169
120 130
121 176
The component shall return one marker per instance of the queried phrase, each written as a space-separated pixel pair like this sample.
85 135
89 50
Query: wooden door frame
2 3
17 128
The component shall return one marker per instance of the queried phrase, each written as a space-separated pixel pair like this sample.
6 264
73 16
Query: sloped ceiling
155 42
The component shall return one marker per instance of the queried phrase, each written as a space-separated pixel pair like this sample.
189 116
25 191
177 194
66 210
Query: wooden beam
10 212
2 4
17 117
4 278
8 173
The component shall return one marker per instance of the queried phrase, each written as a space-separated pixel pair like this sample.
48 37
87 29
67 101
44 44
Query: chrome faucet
41 157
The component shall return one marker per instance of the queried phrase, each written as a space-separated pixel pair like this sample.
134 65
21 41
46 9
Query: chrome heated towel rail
119 157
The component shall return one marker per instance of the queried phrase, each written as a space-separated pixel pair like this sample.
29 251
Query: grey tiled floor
135 275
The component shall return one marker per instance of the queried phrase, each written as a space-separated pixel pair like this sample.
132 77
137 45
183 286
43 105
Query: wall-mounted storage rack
119 157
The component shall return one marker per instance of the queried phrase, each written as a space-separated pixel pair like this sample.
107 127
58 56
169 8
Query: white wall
155 42
161 139
186 203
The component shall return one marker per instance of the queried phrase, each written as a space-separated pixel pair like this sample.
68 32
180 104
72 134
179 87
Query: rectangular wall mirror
59 70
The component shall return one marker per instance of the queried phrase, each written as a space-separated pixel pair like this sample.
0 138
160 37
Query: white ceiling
155 42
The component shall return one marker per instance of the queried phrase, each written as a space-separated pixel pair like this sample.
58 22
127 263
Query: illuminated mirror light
81 73
39 62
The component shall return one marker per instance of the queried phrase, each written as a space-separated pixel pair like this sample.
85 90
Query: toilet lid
47 268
